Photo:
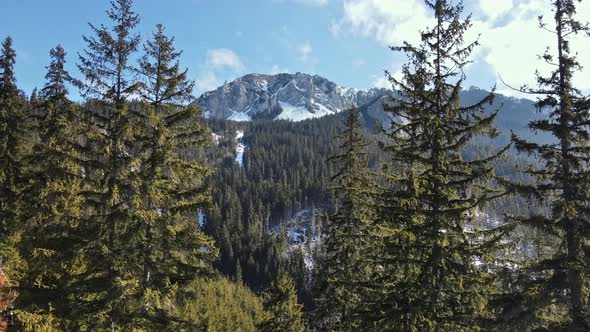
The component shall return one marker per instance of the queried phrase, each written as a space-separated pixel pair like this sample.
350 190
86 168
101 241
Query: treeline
402 253
429 226
286 171
99 200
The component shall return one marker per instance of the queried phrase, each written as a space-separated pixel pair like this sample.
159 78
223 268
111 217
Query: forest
128 210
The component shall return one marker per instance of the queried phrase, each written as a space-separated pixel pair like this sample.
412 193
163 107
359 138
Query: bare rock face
285 96
300 96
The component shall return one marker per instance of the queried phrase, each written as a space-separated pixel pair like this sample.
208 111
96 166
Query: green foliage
428 280
51 240
105 63
284 171
553 291
218 306
36 322
112 236
110 278
348 233
12 132
283 311
171 188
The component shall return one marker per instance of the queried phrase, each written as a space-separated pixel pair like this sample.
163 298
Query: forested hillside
430 207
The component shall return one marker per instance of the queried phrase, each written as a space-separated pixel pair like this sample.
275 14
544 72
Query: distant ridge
284 96
301 96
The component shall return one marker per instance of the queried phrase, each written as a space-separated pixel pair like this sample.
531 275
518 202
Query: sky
345 41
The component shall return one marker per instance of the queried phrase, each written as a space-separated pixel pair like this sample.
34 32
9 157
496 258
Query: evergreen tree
111 277
347 239
428 279
11 140
553 291
174 250
284 313
54 216
219 306
108 75
165 83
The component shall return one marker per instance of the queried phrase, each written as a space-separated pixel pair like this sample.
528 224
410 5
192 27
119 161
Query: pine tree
284 313
347 239
173 188
553 291
11 141
428 279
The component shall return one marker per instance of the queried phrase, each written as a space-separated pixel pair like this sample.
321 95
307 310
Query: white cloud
305 52
389 22
495 8
512 48
510 37
380 81
221 61
223 57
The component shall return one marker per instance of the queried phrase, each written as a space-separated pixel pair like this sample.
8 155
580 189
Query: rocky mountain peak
285 96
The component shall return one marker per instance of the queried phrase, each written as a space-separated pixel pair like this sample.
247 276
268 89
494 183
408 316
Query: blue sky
343 40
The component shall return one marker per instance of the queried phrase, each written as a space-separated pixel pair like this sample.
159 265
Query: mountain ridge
284 96
302 96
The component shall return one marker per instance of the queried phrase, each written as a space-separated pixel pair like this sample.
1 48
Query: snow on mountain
292 97
299 113
299 96
240 117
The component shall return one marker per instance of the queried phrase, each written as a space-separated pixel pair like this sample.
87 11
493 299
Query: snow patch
240 147
321 109
216 138
240 117
303 235
296 113
297 87
201 218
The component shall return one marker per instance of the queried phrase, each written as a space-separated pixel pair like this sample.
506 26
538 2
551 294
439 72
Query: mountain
302 96
293 97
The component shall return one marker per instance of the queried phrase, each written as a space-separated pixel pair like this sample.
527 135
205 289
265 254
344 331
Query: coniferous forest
128 210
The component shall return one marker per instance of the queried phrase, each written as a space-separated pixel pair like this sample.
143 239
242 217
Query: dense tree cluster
100 199
433 268
127 211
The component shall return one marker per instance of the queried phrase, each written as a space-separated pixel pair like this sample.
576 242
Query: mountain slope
300 96
293 97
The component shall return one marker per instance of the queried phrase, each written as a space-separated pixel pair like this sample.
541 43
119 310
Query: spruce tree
165 83
112 273
54 216
428 279
172 188
553 291
347 239
11 140
284 313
